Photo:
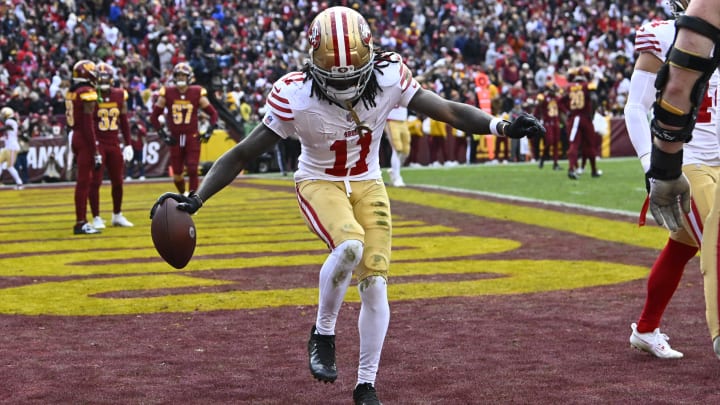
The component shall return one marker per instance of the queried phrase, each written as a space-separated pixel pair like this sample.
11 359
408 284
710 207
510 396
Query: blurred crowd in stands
238 48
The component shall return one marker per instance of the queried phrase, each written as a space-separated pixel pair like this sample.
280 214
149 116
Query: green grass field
620 188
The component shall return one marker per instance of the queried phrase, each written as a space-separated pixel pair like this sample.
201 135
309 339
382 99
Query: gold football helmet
678 7
6 112
341 53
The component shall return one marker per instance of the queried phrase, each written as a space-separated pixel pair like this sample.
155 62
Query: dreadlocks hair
382 60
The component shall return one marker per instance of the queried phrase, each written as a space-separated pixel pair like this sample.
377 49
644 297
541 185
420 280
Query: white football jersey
332 148
399 113
657 37
11 135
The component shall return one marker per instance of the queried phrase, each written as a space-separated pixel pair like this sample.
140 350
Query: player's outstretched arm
473 120
229 165
224 170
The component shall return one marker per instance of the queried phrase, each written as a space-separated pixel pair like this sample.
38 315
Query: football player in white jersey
693 58
338 106
701 165
9 152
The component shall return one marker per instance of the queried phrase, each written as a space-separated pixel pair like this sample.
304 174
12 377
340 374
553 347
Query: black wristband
665 166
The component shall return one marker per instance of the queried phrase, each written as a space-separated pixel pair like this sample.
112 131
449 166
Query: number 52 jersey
332 146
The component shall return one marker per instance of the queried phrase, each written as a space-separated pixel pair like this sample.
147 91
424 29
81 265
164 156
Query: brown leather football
173 234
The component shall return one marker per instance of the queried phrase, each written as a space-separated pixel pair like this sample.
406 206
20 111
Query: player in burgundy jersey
110 119
579 102
138 133
80 104
179 103
547 110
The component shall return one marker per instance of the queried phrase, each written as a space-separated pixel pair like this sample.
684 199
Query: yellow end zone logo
49 272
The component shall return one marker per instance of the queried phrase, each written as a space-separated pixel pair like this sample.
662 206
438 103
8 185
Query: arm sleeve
154 117
125 128
88 127
640 99
210 110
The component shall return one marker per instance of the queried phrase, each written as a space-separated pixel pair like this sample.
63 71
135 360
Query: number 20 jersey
657 37
332 147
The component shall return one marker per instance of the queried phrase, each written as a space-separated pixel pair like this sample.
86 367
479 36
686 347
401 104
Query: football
173 234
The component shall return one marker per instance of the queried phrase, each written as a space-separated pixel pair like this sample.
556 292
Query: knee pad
689 61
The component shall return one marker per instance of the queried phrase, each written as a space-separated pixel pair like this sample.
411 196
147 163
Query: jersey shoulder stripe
284 90
647 43
655 37
394 71
88 96
405 77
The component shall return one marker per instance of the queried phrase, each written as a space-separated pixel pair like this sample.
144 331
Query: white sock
395 163
15 175
402 157
373 325
335 277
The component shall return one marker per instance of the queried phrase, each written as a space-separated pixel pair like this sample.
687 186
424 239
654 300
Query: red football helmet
183 69
85 71
105 75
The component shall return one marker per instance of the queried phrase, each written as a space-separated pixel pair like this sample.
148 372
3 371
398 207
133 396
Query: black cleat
84 229
557 167
321 350
541 164
597 173
572 175
364 394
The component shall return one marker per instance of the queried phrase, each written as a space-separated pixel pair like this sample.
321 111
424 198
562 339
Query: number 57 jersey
333 148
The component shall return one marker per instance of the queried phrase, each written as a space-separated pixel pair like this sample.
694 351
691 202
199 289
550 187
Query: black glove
524 125
190 203
98 161
206 136
169 140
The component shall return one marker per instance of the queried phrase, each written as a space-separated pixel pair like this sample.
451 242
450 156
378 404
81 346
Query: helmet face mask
105 74
341 53
678 7
182 74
